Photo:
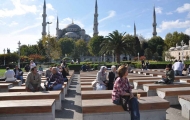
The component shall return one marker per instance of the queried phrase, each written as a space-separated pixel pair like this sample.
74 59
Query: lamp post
113 56
19 53
182 43
4 56
104 57
101 58
138 56
48 27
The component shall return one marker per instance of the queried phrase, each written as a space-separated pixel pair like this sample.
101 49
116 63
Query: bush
76 67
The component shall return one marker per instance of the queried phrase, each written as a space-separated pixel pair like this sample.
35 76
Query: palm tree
116 42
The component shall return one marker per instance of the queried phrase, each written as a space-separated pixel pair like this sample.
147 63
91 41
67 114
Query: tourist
49 72
83 68
64 73
101 79
32 64
9 75
33 81
111 76
169 79
177 67
40 68
55 82
27 68
142 64
122 90
147 65
18 73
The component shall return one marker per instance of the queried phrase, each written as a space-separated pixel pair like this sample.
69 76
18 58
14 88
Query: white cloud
13 23
49 6
187 31
19 9
68 21
51 18
166 25
184 8
128 26
112 13
158 10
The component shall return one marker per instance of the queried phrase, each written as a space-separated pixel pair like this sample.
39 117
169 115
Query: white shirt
32 65
9 75
177 66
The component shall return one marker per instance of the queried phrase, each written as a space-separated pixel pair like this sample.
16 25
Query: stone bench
86 87
184 101
171 94
27 109
185 80
15 83
87 80
88 77
151 108
131 79
104 94
4 87
138 84
33 95
151 88
86 83
23 89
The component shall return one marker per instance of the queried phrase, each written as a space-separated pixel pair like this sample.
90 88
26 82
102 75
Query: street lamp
19 54
4 56
113 56
138 56
104 57
48 27
182 43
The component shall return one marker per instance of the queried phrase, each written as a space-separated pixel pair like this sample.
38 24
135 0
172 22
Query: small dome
178 47
71 34
185 46
172 48
73 26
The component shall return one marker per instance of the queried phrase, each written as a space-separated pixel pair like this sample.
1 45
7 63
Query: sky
21 20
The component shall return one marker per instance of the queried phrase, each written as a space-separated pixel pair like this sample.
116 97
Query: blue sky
21 19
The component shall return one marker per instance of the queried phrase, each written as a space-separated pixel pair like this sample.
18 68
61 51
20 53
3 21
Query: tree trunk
118 58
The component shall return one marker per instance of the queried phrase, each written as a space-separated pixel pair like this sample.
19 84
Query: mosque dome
75 26
178 47
172 48
71 34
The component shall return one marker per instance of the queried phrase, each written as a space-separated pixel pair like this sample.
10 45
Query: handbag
124 101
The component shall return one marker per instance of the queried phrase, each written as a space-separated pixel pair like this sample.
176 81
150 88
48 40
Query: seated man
56 80
33 81
49 72
9 75
18 73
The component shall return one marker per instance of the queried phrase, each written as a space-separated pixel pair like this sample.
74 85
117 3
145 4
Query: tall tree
154 42
148 53
144 45
81 47
94 45
67 45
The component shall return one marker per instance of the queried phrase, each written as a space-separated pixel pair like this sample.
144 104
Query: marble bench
184 101
171 94
131 79
15 83
87 80
86 83
33 95
185 80
23 89
27 109
151 108
86 87
151 88
4 87
103 94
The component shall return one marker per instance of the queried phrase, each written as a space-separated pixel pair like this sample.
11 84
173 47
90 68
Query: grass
2 72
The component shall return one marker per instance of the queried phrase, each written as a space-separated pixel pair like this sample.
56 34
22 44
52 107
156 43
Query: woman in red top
123 88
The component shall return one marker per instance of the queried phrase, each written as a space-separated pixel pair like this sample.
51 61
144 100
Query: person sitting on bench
101 79
9 75
18 73
122 92
112 76
33 81
56 80
169 79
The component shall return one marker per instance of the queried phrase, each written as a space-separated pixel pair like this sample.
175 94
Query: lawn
2 72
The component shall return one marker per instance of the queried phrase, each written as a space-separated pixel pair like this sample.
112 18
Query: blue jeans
56 87
133 106
20 78
178 73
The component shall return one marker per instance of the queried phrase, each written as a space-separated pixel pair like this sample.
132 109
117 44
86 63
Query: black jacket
19 71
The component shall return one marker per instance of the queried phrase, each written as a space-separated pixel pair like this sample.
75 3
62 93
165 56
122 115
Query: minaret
95 29
135 35
154 23
44 15
57 27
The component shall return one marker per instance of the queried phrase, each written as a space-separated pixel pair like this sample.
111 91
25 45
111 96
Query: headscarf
101 70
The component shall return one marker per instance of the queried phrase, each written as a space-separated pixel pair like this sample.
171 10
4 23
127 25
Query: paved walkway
72 104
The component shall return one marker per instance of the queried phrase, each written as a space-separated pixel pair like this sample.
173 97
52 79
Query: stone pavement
72 104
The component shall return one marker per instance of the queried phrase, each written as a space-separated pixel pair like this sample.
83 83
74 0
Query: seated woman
111 76
56 80
169 79
101 79
122 89
64 73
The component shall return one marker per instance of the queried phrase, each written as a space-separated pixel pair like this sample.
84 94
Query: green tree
67 45
154 42
148 53
156 56
117 42
144 45
41 48
137 46
159 50
94 45
81 47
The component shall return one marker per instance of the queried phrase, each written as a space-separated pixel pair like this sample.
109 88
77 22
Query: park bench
151 108
15 83
23 89
184 101
86 83
103 94
171 94
151 88
87 80
33 95
86 87
41 109
185 80
131 79
4 87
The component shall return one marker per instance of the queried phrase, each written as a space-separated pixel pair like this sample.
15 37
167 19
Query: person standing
9 75
177 67
33 81
32 64
142 64
111 76
18 73
27 68
147 65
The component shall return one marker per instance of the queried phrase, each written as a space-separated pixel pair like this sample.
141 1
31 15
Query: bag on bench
124 101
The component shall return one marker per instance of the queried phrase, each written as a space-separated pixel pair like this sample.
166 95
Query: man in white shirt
9 75
178 68
32 64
